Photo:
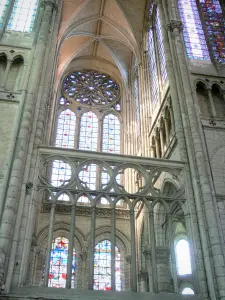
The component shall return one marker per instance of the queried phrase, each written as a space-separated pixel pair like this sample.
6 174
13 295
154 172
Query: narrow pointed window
88 132
102 267
160 46
183 257
111 134
65 131
23 15
58 263
194 37
154 84
3 9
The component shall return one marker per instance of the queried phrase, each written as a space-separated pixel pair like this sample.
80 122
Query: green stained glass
3 8
23 15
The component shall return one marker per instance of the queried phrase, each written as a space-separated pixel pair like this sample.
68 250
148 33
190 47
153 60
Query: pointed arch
88 139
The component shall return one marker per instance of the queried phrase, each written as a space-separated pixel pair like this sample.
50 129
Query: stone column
152 241
142 278
148 259
92 248
49 248
167 132
163 269
133 252
71 246
157 147
152 151
209 91
161 140
22 142
77 133
113 244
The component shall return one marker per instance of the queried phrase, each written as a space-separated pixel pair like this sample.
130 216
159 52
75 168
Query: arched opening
219 102
3 64
187 291
111 134
65 130
183 257
88 139
14 77
203 101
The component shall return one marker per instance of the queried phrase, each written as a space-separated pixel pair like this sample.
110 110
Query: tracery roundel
91 87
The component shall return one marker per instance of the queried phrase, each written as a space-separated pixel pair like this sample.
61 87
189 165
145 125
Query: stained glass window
58 263
111 134
88 176
91 87
160 47
65 132
154 84
23 15
102 267
194 37
88 132
215 27
61 173
183 257
3 8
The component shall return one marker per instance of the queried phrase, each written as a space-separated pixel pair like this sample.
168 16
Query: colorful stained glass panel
111 134
88 132
61 173
215 26
194 37
65 132
23 15
102 267
58 263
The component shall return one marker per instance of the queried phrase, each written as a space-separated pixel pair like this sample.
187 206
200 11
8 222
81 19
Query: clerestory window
203 29
18 15
183 257
156 55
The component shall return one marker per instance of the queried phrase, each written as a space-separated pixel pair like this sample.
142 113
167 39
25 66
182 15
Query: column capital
174 24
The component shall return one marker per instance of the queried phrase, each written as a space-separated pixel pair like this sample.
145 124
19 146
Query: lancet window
102 266
183 257
197 15
58 263
156 56
22 14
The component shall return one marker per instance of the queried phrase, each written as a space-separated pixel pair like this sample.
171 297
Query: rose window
91 87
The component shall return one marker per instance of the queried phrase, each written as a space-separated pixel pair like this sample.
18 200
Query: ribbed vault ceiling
106 30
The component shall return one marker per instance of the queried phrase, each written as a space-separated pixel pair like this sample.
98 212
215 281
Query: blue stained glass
65 132
88 132
23 15
215 26
58 263
153 68
194 37
102 267
111 134
160 47
3 8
